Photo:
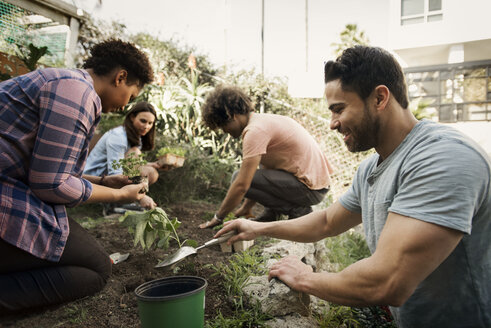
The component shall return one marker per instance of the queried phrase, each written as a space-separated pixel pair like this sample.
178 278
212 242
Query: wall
480 132
462 22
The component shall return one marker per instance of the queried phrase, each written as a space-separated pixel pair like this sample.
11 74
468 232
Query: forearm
309 228
233 198
314 226
93 179
361 284
102 194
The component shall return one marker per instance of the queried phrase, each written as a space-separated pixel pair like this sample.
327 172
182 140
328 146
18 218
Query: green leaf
150 238
140 228
191 242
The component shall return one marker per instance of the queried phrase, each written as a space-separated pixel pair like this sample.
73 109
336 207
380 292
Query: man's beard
365 135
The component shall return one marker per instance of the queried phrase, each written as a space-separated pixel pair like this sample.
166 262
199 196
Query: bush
203 177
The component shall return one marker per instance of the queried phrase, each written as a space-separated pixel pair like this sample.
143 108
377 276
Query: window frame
425 15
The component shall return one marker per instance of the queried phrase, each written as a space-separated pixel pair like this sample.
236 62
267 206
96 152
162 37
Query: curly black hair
221 105
114 53
362 68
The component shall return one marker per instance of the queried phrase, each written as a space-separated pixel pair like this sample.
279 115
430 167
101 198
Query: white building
445 46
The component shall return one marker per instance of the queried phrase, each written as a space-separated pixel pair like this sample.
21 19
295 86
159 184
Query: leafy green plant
350 37
347 249
334 316
171 150
344 250
420 110
152 226
234 276
31 54
76 314
252 317
131 165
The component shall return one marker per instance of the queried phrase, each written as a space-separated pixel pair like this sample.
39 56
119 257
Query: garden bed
115 305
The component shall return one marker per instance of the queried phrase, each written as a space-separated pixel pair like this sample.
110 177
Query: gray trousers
281 191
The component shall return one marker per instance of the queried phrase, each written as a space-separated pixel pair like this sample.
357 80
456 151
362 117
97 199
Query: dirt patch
116 305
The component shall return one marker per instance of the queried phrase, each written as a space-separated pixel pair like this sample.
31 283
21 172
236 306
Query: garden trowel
185 251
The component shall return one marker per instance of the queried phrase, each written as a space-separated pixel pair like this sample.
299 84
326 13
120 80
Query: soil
116 305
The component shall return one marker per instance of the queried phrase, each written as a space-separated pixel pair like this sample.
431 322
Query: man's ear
120 77
382 94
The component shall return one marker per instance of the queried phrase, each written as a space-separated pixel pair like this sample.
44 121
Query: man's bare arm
407 252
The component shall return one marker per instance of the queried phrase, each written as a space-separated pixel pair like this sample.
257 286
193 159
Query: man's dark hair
222 104
112 54
148 140
360 69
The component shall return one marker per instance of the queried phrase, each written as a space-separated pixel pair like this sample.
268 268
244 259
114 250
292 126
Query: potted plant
173 156
131 168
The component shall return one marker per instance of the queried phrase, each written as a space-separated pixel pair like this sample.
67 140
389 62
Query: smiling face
143 122
352 117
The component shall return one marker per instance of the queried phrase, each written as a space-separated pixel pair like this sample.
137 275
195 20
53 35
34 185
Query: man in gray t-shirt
424 201
435 175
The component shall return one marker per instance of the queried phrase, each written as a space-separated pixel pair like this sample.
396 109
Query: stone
242 245
294 320
226 248
275 297
285 248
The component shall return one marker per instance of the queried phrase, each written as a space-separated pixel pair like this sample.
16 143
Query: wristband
101 181
217 218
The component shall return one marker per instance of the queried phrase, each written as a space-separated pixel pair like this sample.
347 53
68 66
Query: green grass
234 275
344 250
347 249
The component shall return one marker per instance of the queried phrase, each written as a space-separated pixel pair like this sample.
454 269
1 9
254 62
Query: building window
454 92
420 11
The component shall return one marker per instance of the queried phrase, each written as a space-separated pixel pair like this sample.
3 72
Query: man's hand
290 270
116 181
246 230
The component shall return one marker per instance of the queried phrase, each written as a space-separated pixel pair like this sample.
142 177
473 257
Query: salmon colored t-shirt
285 145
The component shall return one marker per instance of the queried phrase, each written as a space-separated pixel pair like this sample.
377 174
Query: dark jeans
281 191
27 281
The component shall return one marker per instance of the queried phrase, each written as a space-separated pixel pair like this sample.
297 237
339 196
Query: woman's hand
147 203
164 167
131 192
116 181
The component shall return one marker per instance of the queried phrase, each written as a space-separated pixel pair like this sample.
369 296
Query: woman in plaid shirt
47 118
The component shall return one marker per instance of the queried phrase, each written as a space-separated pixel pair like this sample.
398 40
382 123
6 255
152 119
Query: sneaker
267 215
123 208
107 209
299 211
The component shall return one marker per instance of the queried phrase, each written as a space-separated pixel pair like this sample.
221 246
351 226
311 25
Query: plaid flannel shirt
47 118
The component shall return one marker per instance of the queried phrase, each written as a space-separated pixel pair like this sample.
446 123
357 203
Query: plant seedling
131 168
171 150
173 156
131 165
153 226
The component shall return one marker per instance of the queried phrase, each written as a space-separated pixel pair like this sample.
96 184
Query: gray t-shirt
440 176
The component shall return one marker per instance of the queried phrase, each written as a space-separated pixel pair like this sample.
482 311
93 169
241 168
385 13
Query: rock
285 248
275 297
242 245
226 248
292 321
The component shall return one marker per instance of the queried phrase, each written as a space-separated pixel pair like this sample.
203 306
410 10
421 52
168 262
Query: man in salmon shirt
283 167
